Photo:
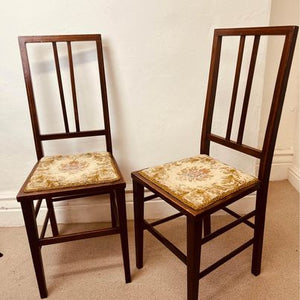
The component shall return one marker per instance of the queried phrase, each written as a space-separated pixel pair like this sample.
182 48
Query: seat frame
198 222
115 190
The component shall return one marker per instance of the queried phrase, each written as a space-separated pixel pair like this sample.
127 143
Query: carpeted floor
92 269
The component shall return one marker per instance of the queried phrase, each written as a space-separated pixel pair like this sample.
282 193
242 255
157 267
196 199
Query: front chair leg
194 235
138 199
32 234
123 232
261 201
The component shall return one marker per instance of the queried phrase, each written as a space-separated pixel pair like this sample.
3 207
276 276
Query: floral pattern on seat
63 171
198 181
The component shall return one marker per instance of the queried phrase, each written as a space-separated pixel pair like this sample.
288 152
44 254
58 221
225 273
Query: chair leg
194 235
113 209
261 203
123 232
207 225
52 217
32 234
138 198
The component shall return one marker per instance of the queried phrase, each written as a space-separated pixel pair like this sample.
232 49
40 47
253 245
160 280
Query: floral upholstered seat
198 181
63 171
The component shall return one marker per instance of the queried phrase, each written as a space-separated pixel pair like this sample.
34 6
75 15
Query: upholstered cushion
62 171
198 181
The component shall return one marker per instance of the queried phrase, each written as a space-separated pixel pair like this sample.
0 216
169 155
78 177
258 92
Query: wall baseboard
282 161
294 178
98 210
91 210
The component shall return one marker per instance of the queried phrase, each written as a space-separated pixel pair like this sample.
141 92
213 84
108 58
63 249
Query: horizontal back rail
236 146
70 135
270 30
59 38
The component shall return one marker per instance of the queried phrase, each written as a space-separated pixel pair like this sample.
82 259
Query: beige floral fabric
198 181
62 171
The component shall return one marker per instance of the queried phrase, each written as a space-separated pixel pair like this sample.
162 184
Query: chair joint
227 227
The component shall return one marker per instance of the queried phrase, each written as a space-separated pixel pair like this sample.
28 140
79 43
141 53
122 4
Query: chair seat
63 171
198 181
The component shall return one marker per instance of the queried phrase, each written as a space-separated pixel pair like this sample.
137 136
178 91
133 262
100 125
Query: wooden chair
66 177
200 186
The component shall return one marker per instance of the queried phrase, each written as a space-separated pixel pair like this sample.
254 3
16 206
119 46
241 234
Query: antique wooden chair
66 177
200 186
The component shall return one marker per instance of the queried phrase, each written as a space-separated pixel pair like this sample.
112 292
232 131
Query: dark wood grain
248 89
235 86
75 106
211 93
104 95
60 85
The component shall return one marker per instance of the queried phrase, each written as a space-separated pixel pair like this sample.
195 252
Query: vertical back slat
104 95
248 89
235 86
76 116
60 85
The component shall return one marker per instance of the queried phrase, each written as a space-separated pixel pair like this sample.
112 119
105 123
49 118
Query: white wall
156 57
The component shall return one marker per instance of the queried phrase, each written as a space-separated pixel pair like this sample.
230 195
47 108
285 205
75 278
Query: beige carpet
92 269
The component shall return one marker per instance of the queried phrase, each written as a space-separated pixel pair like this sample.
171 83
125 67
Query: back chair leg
194 235
123 232
138 194
261 203
113 209
32 234
52 217
207 225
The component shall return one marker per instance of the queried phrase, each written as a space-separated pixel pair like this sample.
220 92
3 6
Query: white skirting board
98 210
294 178
282 162
95 209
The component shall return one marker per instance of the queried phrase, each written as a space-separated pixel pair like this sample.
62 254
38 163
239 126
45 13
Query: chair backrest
54 42
264 154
